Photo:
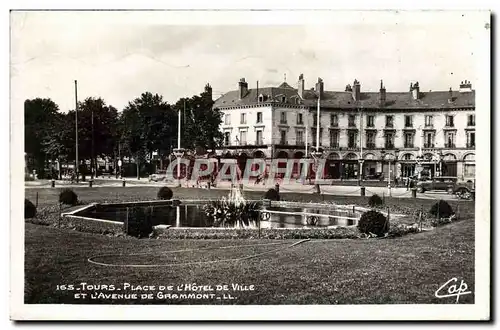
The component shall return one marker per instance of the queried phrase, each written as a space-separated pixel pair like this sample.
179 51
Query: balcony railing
471 145
449 145
259 142
300 143
351 124
334 145
389 125
409 145
389 146
370 145
283 121
352 146
283 142
450 124
428 145
471 123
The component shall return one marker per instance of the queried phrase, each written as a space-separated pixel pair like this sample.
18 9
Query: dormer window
283 99
261 98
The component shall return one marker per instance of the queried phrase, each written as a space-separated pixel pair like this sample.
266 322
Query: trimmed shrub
272 194
373 222
165 193
140 222
68 197
29 209
375 200
441 210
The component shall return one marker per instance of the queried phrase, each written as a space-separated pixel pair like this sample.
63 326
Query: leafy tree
198 112
146 125
97 129
39 123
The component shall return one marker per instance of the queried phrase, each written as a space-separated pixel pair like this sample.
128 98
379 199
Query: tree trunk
138 167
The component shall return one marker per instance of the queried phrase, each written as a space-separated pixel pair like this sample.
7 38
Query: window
428 121
471 140
283 117
259 141
243 118
389 121
259 117
408 140
334 139
283 137
315 119
261 98
243 138
408 121
370 140
370 121
450 140
449 121
429 140
300 119
351 139
352 121
227 140
389 141
471 120
469 170
334 120
283 99
300 138
227 119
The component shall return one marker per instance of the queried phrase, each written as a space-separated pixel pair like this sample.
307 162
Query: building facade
369 135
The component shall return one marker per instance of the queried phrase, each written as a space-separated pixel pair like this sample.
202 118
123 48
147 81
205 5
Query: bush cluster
441 210
165 193
373 222
29 209
375 201
68 197
272 194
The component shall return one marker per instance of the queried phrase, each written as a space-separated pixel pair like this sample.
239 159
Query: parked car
444 183
464 190
159 176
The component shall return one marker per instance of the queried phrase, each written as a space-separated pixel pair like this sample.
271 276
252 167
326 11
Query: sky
119 55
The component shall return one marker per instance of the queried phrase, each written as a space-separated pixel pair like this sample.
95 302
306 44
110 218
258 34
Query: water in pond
193 215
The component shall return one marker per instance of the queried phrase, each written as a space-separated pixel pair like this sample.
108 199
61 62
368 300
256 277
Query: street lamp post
76 132
361 160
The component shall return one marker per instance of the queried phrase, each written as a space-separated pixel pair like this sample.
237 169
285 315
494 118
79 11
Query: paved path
295 187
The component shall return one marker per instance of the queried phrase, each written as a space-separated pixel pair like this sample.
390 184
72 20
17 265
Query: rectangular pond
193 215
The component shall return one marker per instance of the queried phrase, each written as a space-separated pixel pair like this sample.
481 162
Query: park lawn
49 197
362 271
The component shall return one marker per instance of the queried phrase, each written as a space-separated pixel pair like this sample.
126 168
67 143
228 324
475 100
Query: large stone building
414 132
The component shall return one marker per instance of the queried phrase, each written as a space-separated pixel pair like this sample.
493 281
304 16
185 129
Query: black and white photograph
336 163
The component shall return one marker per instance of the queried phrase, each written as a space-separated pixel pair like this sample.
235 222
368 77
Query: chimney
356 90
415 90
382 94
208 91
243 88
319 87
301 86
450 96
465 86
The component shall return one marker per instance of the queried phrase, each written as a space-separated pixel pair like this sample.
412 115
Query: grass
386 271
376 271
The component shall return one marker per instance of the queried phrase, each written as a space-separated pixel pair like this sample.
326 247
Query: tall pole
317 125
361 146
92 160
307 132
76 131
179 148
